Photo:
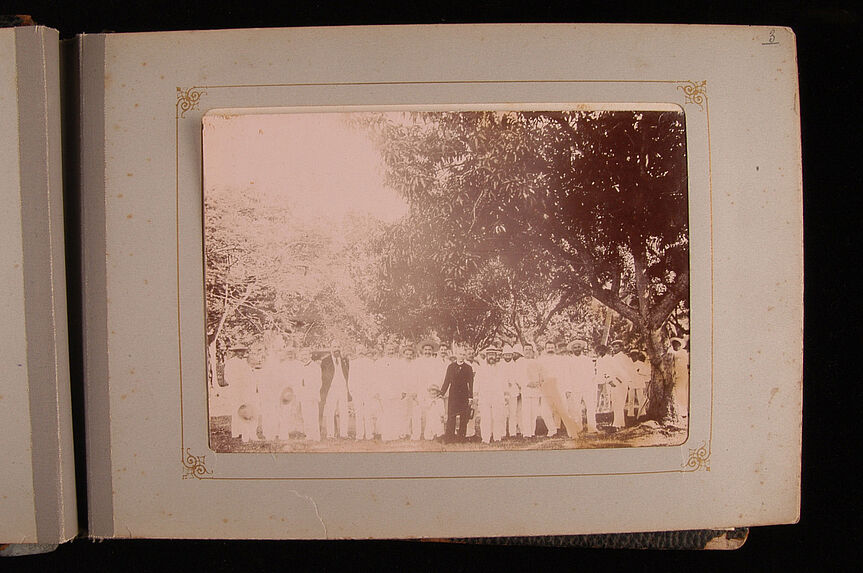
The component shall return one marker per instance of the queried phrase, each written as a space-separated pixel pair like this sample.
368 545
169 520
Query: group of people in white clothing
431 391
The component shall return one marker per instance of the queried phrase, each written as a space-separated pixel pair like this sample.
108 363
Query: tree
547 209
238 276
268 270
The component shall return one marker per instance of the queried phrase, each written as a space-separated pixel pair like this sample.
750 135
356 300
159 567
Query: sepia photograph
490 278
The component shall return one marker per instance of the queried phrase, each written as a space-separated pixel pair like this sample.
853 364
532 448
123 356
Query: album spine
87 64
43 273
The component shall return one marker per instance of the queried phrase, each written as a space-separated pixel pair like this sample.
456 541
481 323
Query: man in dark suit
459 382
335 372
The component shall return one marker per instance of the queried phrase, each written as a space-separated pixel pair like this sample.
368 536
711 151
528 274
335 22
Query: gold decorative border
194 466
699 458
695 92
188 99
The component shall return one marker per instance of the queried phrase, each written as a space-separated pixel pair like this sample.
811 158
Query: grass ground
644 434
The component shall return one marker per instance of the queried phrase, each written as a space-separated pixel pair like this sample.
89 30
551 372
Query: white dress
242 395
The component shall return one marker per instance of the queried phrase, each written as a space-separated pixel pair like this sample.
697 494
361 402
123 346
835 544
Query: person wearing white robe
280 413
531 374
678 360
620 379
428 383
374 402
435 414
242 395
637 401
548 362
290 418
270 378
446 356
390 393
406 381
309 383
555 380
411 414
510 369
336 401
265 403
489 383
604 368
472 422
581 398
362 394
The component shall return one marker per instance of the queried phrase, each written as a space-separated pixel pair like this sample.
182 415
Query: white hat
428 342
507 349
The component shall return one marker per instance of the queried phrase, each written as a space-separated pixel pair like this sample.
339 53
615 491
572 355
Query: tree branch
609 299
490 304
475 205
670 301
564 301
229 311
642 292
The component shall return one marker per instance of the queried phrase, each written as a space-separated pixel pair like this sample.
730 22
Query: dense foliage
521 226
517 218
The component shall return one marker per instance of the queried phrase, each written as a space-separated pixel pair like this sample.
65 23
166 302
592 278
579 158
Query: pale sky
313 162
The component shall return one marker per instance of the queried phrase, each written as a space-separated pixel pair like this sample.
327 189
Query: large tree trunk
658 392
606 330
212 348
212 364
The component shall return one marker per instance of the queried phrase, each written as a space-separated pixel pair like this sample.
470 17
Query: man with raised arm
555 374
335 372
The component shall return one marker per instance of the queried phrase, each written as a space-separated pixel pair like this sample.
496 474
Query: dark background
828 36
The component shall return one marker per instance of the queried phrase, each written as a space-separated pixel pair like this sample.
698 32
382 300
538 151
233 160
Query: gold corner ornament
699 458
194 466
694 92
188 99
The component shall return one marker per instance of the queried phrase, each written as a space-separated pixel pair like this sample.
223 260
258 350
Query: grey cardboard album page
37 482
441 281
